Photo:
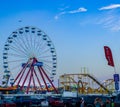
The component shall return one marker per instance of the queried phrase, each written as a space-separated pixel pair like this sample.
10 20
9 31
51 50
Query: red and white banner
108 55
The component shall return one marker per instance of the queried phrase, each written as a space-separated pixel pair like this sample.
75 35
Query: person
97 102
82 102
112 103
101 102
108 103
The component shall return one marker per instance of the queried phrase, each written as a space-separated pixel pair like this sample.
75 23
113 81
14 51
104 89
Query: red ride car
9 103
55 102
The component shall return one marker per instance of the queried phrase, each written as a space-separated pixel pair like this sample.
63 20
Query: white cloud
63 8
57 16
110 20
79 10
113 6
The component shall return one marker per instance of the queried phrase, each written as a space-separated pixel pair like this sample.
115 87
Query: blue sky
78 28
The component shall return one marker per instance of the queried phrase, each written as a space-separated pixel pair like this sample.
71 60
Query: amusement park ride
86 83
29 61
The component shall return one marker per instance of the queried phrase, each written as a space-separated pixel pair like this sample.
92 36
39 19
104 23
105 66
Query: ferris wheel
29 58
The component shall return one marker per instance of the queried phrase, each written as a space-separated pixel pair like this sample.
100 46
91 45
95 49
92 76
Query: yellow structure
85 83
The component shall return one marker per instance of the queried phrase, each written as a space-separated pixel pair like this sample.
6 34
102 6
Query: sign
69 94
117 85
108 55
39 64
116 77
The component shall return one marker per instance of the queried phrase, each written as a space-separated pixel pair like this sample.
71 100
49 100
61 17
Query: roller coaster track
85 75
111 81
101 85
70 78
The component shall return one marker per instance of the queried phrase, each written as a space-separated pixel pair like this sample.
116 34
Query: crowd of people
97 103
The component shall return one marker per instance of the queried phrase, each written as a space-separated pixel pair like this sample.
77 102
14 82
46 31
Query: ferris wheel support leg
49 80
18 76
30 79
21 76
34 82
23 69
38 80
40 71
25 78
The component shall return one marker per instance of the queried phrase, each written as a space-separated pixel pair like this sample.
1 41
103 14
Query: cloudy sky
79 30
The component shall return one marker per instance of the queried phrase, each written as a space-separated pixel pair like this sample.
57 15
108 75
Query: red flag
108 55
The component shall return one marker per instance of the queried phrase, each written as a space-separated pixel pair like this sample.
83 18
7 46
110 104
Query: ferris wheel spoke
17 50
36 44
47 69
15 67
45 51
17 60
16 55
39 47
17 43
46 61
47 66
32 41
39 43
44 46
28 41
44 56
32 48
23 40
49 73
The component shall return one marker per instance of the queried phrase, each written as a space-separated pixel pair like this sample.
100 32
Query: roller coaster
85 83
